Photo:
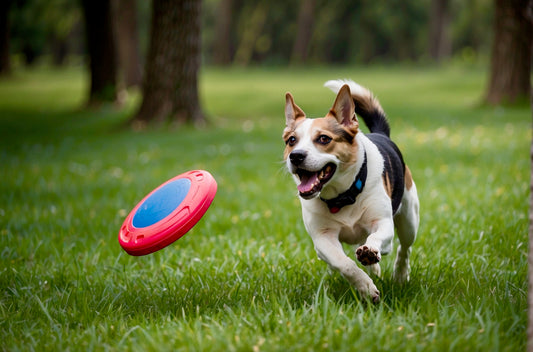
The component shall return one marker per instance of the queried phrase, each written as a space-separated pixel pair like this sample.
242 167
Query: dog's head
318 150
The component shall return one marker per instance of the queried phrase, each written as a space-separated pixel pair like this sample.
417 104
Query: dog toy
167 213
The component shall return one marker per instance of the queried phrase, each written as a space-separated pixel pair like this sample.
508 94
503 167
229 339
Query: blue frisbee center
161 203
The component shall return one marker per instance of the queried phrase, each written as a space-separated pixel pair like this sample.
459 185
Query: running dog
353 187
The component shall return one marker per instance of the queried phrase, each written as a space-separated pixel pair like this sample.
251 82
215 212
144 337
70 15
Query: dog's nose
297 157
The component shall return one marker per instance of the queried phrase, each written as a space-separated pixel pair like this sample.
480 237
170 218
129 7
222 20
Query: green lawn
246 278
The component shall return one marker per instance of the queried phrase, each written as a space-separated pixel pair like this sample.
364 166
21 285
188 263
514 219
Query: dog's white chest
350 223
353 235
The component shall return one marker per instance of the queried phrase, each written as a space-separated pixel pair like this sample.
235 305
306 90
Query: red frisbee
167 213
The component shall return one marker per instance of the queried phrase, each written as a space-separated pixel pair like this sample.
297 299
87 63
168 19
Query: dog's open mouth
311 182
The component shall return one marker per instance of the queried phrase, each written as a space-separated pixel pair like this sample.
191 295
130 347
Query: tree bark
59 48
530 258
511 52
170 87
5 62
125 15
102 50
440 45
300 49
254 27
222 46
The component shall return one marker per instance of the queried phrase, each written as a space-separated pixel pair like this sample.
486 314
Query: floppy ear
343 109
293 112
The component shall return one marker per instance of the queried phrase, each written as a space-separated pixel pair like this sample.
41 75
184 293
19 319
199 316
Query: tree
60 20
510 70
300 48
102 50
5 64
440 45
170 87
255 19
530 259
125 15
222 44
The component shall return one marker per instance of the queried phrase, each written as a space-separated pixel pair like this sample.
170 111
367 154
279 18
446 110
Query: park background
78 151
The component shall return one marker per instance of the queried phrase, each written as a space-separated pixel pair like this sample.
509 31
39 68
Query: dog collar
348 197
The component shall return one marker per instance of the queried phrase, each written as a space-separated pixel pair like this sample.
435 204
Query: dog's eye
323 139
291 141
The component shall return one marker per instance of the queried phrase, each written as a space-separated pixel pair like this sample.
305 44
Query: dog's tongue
307 182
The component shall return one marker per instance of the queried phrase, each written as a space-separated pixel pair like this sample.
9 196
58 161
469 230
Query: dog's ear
293 112
343 110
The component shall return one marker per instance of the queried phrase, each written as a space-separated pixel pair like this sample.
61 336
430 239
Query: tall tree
440 45
125 15
102 50
300 48
222 44
170 87
530 258
510 70
5 63
255 19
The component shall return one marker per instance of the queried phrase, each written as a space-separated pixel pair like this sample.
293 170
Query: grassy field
246 278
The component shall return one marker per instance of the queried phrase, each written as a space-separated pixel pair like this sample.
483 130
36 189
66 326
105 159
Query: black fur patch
394 166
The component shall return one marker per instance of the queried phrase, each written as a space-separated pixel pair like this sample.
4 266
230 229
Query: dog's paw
367 255
401 274
401 269
368 290
374 296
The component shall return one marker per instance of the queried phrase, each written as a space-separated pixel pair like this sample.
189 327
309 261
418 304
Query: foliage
37 24
344 31
246 277
472 26
356 31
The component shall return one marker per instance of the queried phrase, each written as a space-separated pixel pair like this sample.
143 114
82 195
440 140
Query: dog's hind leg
406 221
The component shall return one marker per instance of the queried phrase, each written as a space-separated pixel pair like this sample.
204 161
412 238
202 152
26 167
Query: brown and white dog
353 188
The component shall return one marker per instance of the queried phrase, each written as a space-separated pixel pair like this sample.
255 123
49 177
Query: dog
353 187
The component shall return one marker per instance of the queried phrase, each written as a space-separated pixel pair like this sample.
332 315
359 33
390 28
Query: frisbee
167 213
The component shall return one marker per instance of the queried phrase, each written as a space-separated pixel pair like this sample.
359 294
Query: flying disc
167 213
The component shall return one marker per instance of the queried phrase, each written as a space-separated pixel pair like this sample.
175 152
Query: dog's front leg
377 243
330 250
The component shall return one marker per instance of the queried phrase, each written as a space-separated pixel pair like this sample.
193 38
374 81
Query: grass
246 278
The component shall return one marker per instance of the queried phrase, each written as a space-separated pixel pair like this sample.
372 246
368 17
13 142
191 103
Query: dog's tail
366 105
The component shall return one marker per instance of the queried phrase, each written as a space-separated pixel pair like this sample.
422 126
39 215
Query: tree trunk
5 62
300 48
511 52
440 45
254 27
170 87
125 15
101 49
222 46
530 258
59 48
